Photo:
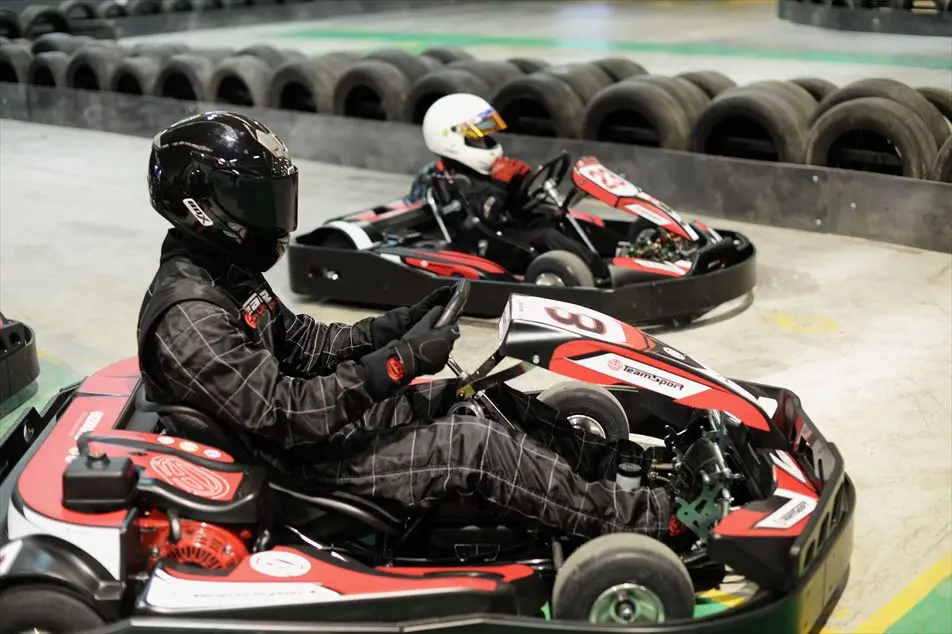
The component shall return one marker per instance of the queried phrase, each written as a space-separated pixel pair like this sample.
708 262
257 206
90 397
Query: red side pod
584 216
606 364
785 513
444 269
337 577
466 258
648 266
95 409
454 264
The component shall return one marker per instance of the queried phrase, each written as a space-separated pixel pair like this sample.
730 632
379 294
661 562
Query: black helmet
227 180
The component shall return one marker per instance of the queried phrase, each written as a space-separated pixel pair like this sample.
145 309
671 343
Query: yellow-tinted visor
487 123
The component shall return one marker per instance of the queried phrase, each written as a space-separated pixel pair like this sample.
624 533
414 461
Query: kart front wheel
590 408
623 578
45 608
559 268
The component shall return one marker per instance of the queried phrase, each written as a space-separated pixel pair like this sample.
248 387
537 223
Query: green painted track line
931 615
425 40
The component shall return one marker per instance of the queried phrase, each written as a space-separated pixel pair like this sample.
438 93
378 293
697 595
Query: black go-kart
111 519
662 269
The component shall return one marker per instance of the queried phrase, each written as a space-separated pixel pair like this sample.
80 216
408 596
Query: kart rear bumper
365 278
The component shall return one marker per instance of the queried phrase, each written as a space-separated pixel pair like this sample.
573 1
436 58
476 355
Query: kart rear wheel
623 578
590 408
559 268
45 608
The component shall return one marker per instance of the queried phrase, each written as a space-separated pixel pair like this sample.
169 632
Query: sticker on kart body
279 564
608 180
642 375
172 593
577 320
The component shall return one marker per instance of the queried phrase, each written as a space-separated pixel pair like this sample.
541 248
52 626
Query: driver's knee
475 440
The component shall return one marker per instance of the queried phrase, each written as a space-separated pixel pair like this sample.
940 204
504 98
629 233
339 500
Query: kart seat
189 423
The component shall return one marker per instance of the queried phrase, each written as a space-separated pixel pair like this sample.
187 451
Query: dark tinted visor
259 202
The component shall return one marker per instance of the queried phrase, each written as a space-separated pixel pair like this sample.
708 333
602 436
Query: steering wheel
454 307
533 186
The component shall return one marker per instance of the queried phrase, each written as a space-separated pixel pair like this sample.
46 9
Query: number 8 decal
575 320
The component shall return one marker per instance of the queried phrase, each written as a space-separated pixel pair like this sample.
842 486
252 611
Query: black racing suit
290 392
495 203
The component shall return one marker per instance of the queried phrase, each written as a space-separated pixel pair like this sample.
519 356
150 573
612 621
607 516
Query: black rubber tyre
306 85
78 10
143 7
15 63
447 54
35 20
637 113
111 10
568 267
243 80
574 398
941 98
619 68
711 82
92 68
795 95
584 79
49 69
136 76
529 65
372 89
159 51
43 608
780 125
818 88
273 57
692 99
885 117
943 163
440 83
540 105
896 91
10 25
623 558
64 42
186 77
494 74
412 66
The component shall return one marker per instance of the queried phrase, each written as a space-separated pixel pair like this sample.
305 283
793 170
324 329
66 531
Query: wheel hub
627 603
549 279
587 424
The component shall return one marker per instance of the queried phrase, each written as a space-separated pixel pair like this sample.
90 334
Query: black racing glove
423 350
395 323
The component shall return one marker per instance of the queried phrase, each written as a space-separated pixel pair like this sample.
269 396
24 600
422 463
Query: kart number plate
608 180
578 320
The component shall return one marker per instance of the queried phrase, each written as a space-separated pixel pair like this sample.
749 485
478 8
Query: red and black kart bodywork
388 255
91 506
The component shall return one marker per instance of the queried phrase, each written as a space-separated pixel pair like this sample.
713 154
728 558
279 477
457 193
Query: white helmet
459 126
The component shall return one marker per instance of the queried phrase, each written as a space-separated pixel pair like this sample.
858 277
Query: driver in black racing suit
326 404
458 128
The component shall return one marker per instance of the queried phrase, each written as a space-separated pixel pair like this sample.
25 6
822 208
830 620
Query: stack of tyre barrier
879 125
909 17
70 16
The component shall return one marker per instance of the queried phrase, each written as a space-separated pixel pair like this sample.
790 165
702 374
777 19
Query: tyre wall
907 17
802 127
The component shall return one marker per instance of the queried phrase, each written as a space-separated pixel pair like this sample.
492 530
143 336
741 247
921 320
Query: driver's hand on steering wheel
509 170
422 351
395 323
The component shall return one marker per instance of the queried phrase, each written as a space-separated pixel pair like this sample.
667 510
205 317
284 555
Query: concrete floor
744 40
861 330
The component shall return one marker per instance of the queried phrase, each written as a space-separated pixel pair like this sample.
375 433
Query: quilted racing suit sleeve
211 364
312 347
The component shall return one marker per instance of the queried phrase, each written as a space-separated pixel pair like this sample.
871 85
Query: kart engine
656 244
190 542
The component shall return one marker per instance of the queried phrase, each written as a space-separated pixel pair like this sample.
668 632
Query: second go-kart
662 269
128 513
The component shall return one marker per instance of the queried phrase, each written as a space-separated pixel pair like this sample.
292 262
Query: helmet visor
487 123
268 203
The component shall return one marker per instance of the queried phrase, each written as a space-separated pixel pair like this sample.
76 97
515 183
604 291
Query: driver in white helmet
459 129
